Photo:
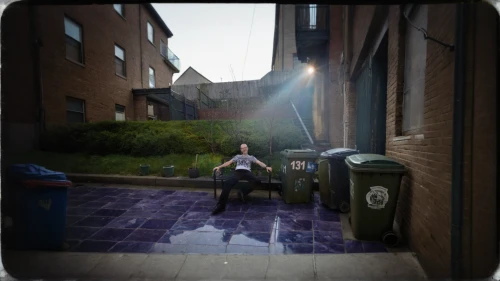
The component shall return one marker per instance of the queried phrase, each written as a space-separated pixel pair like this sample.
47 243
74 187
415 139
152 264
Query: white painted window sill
403 138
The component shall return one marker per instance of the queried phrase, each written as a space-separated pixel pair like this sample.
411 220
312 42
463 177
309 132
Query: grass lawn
122 164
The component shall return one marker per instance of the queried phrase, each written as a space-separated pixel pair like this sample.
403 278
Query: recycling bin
38 212
334 178
296 173
374 189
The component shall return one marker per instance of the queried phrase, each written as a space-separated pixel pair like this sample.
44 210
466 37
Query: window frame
122 14
152 40
68 37
124 61
120 107
407 128
83 112
154 77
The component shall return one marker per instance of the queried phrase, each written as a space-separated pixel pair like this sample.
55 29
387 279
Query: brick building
75 64
430 104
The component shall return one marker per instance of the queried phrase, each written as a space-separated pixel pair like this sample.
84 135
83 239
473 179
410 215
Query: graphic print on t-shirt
244 162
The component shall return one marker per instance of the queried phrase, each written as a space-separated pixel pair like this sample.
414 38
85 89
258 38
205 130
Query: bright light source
310 70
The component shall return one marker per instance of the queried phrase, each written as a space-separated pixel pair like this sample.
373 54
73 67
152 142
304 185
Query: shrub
156 138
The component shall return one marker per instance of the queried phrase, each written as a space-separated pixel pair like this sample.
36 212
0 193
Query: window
119 8
119 112
120 64
74 45
151 33
163 49
151 77
414 75
75 110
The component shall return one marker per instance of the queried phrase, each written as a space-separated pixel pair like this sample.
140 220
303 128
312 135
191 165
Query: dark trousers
233 180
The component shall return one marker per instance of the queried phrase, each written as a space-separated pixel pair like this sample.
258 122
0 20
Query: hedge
156 138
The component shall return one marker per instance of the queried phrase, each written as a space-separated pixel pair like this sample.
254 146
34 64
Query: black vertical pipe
37 71
458 144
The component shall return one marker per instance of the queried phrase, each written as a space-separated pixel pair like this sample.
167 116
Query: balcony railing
170 56
311 17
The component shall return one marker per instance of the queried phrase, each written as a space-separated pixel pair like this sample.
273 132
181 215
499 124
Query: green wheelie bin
296 173
334 178
374 189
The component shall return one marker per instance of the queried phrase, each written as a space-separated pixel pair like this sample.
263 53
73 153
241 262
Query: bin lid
22 172
338 153
374 161
299 153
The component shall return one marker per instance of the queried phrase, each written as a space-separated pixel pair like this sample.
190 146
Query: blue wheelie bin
38 207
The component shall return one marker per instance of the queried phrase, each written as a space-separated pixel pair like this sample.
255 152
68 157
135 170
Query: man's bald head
244 148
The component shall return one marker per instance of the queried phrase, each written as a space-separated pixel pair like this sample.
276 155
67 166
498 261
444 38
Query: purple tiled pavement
166 221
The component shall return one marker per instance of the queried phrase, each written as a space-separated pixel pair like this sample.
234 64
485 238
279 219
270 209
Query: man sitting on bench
242 172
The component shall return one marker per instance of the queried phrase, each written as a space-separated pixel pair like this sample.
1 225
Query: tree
275 100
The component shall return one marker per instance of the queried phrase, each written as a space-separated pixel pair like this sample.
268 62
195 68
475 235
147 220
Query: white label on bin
300 184
377 197
351 189
45 204
283 168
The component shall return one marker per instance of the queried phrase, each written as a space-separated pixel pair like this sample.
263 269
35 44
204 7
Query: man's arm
269 169
224 165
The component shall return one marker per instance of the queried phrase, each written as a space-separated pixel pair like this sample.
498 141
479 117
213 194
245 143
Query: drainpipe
37 44
140 44
282 37
458 143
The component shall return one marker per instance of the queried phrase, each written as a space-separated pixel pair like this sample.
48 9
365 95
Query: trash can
39 210
374 190
296 180
334 178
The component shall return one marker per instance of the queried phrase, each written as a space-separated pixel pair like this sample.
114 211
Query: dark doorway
371 93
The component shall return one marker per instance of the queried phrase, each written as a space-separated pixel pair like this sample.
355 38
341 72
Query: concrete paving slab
291 267
368 266
245 267
203 267
160 266
117 266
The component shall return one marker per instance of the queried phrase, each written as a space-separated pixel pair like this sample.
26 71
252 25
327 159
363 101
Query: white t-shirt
244 162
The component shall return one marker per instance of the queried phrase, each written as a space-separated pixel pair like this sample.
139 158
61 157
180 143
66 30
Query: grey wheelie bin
296 176
374 189
334 178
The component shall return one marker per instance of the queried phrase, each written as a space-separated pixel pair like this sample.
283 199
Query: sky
212 37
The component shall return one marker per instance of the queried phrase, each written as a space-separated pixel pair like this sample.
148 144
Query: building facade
75 64
429 104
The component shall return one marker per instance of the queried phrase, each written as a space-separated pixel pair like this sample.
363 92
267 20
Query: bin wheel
344 207
390 239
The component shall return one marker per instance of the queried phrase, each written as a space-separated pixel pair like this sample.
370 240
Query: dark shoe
219 208
242 197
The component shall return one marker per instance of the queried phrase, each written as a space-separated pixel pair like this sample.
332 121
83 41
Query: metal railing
302 123
311 17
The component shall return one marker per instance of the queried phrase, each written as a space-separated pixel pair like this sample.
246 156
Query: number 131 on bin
301 165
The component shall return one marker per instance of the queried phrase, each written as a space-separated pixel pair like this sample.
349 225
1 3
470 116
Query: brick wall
423 211
335 106
286 45
95 80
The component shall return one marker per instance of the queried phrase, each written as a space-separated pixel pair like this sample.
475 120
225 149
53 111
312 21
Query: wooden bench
225 173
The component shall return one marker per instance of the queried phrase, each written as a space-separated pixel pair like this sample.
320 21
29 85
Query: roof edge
158 18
